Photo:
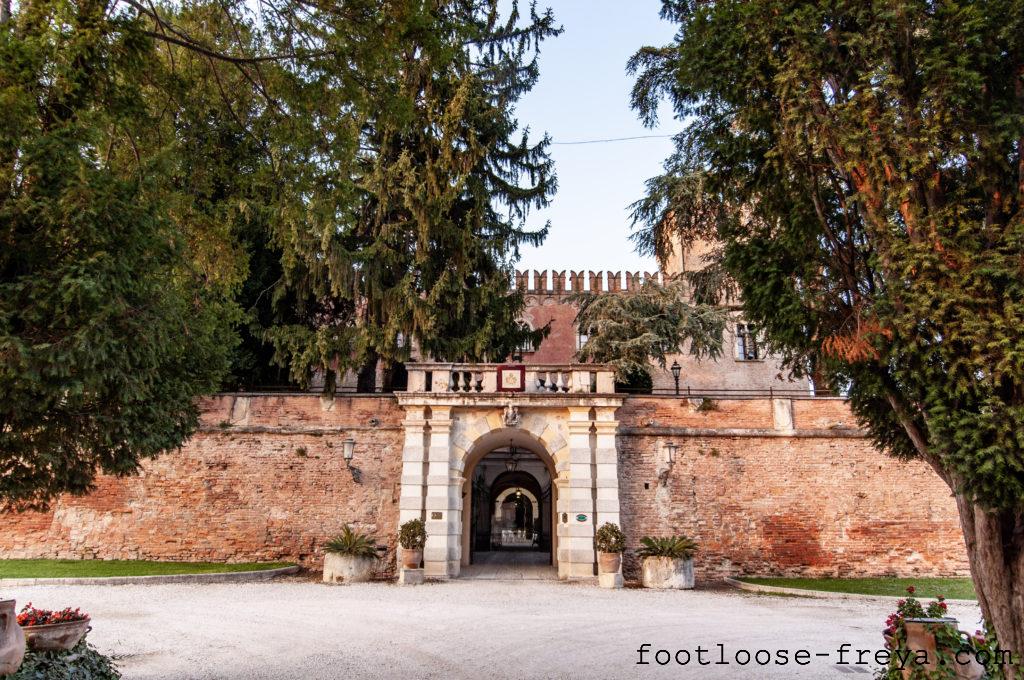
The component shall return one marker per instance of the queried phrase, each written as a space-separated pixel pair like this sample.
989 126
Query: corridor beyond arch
500 464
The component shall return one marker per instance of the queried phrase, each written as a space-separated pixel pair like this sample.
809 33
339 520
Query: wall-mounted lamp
670 448
348 450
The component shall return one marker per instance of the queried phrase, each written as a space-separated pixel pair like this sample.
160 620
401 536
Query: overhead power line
613 139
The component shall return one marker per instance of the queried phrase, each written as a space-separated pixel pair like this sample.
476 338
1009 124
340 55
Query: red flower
31 616
910 589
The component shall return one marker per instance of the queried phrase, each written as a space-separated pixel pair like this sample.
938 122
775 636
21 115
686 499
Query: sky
583 94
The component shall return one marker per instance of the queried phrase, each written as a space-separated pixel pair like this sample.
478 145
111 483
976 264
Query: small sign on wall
436 515
581 517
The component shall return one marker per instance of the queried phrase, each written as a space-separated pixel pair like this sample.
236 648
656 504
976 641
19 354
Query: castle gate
458 414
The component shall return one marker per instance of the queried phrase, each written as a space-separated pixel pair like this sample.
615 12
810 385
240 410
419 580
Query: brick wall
263 480
819 502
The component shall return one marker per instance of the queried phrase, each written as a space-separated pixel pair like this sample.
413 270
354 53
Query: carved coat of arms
511 416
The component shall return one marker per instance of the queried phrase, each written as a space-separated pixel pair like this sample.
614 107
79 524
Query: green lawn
951 588
87 568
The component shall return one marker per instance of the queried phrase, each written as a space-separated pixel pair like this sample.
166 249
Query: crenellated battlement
538 282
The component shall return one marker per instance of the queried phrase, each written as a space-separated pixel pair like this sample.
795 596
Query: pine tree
415 244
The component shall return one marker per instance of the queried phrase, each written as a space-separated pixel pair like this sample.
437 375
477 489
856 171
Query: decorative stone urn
667 573
609 562
56 637
411 558
921 637
339 568
12 639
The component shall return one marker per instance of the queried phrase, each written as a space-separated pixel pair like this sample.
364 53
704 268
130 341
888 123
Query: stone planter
340 568
411 558
667 573
56 637
12 639
609 563
921 637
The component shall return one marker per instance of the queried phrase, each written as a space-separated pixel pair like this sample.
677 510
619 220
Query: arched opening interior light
512 463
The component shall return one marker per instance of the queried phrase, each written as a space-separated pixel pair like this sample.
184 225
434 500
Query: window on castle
748 347
581 339
526 345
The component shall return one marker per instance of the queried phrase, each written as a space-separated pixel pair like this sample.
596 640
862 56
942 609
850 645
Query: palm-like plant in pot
667 561
412 536
610 542
349 557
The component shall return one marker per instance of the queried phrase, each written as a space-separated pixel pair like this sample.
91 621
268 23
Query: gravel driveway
295 628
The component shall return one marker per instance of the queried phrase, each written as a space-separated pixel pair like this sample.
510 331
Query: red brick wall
559 347
782 505
265 480
269 484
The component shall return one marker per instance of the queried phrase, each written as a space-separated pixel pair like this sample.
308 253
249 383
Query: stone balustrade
540 379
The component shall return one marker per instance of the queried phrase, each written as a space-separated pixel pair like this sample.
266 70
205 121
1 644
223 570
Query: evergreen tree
107 334
412 238
862 166
631 328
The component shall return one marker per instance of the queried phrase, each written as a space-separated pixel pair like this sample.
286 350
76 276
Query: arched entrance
509 499
448 433
511 504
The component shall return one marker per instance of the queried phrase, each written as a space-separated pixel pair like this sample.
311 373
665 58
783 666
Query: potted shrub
350 557
12 639
610 542
667 562
48 631
412 536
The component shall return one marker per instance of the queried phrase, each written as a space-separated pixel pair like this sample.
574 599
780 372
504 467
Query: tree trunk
995 548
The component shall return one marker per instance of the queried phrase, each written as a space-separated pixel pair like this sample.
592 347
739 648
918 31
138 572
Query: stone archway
535 504
494 440
446 435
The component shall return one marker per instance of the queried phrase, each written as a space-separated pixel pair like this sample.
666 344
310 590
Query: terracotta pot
921 637
12 639
56 636
609 563
411 558
667 573
340 568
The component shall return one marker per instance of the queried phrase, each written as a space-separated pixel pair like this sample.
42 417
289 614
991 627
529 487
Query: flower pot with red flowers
925 641
12 639
610 542
412 536
350 557
50 631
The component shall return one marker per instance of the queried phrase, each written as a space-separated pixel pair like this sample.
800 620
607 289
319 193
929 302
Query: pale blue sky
583 94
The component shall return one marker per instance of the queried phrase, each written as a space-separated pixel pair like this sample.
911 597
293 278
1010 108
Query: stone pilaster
563 522
606 468
443 501
576 547
414 460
